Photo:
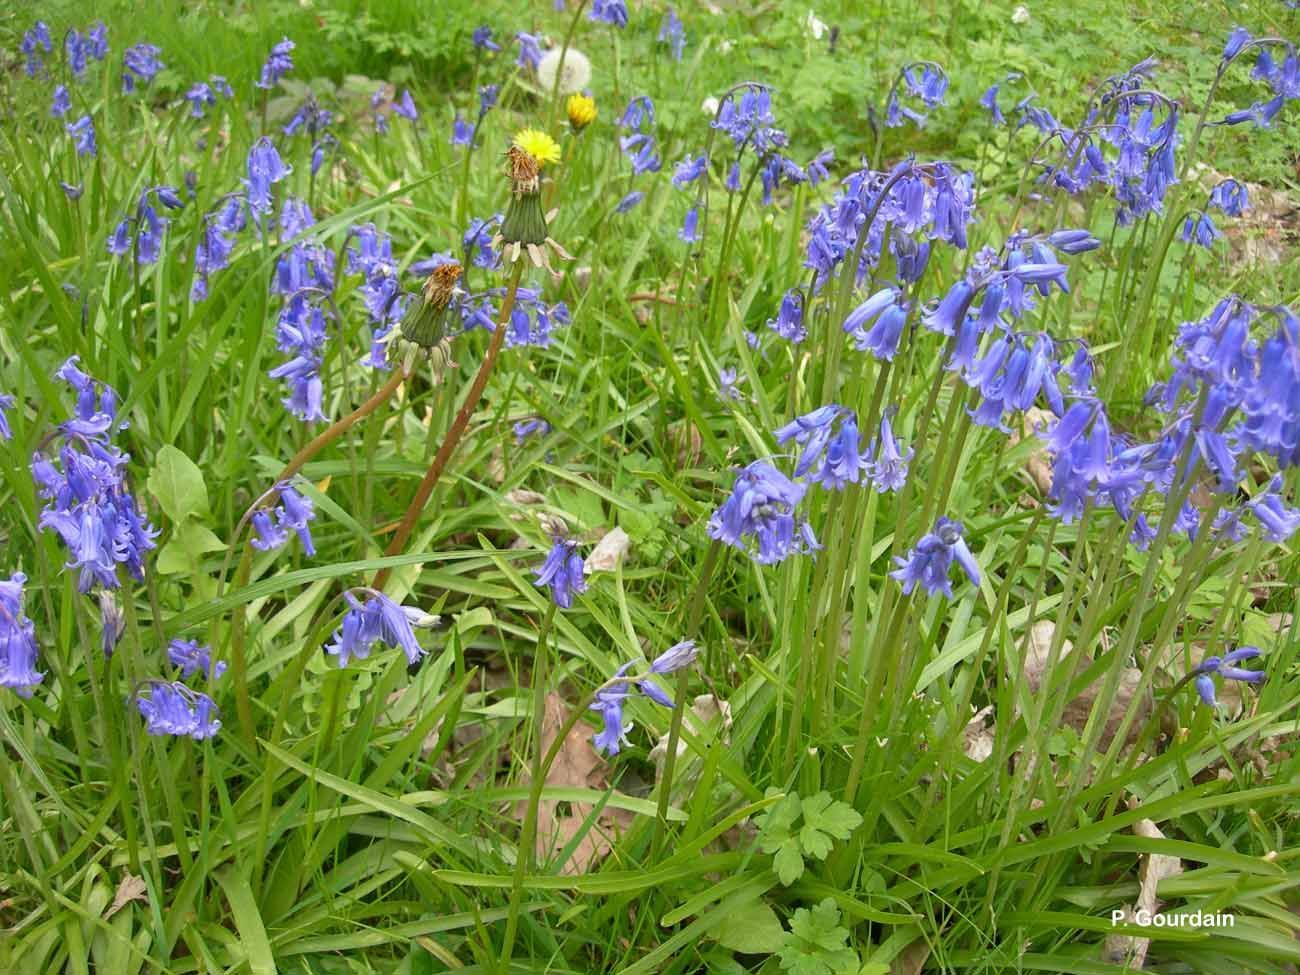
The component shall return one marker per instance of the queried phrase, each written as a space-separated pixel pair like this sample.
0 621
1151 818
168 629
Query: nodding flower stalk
523 232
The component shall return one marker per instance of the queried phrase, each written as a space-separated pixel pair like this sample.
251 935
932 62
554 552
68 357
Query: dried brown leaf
131 888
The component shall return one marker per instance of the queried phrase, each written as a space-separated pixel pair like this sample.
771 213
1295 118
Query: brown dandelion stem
457 430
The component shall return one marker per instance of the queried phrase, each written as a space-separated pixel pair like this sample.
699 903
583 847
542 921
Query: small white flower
577 70
814 26
709 106
1020 15
726 45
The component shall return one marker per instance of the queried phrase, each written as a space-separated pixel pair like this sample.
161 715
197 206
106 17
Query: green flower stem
694 616
526 847
458 426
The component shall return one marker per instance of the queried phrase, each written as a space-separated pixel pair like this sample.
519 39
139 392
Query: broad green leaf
751 928
177 483
788 862
187 545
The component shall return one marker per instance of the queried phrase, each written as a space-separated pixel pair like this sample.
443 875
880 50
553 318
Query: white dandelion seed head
577 70
709 106
1020 15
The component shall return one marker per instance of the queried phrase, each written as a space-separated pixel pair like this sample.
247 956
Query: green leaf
788 862
831 816
187 545
753 929
817 944
177 483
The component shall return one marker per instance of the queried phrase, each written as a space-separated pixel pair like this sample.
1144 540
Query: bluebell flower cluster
193 658
788 322
530 51
202 95
87 500
1282 79
611 698
534 426
381 103
292 512
278 64
18 648
217 242
81 48
638 144
832 455
36 40
371 256
761 516
82 132
60 102
923 81
482 39
613 12
149 226
1226 668
377 619
265 168
930 562
300 334
562 572
531 320
672 33
141 64
313 120
171 708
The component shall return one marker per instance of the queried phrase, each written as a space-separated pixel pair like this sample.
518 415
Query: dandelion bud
581 110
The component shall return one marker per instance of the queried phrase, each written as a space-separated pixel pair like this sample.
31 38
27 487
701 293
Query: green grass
367 818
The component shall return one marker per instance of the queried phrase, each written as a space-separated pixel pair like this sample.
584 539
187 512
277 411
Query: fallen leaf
911 959
707 718
609 552
1131 950
577 766
131 888
977 740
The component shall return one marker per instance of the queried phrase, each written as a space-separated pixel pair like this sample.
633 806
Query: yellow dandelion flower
582 111
539 145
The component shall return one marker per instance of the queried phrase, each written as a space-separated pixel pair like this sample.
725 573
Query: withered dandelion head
423 329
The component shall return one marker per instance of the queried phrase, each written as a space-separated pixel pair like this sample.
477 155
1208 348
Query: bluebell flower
746 116
989 100
671 31
729 386
1237 40
1073 241
487 98
1199 228
629 201
813 432
690 227
930 562
921 80
887 461
76 48
532 427
6 404
640 113
1279 521
112 622
293 512
890 316
689 170
639 149
759 516
278 64
301 334
532 320
70 191
609 702
265 169
482 39
141 64
462 133
83 135
817 166
944 316
378 620
1226 668
193 658
843 463
562 572
1231 197
17 640
788 322
613 12
176 710
675 658
405 106
477 241
530 51
60 104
